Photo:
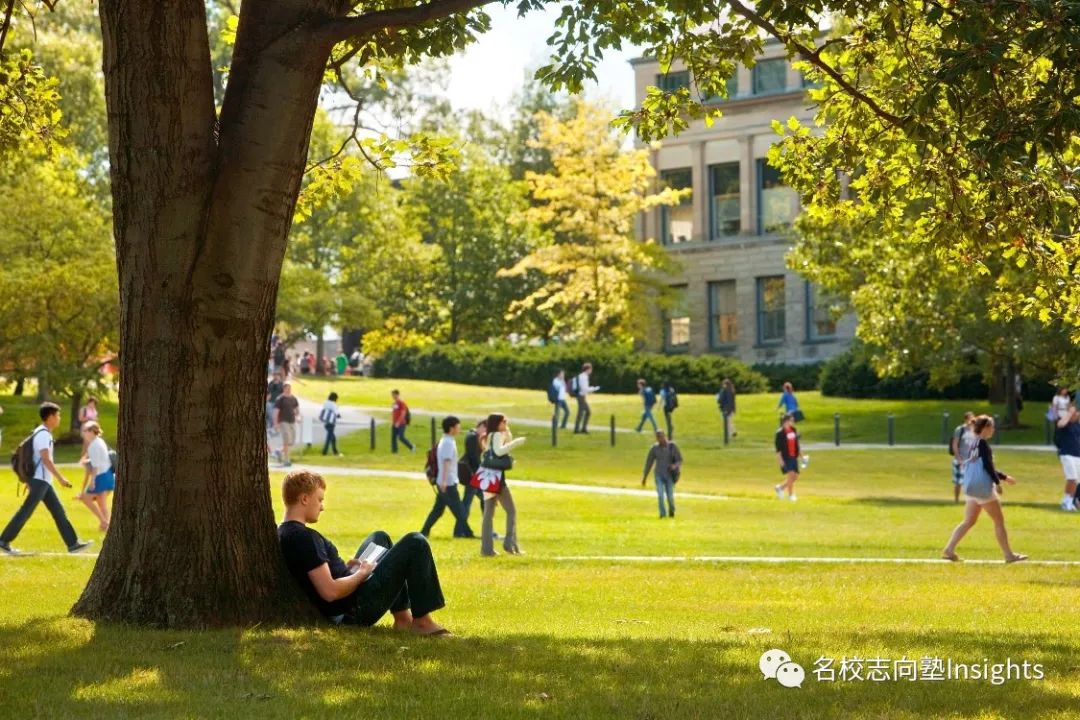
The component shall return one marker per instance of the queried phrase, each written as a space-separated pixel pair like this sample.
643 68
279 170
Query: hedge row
851 375
803 377
615 369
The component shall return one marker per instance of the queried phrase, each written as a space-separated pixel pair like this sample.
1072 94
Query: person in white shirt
1059 406
41 487
561 395
100 480
329 415
446 482
500 442
583 389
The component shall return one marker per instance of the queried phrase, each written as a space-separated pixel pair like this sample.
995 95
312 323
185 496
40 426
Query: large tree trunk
320 352
201 212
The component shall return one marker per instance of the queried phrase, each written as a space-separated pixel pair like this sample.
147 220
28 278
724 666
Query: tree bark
202 210
20 385
76 403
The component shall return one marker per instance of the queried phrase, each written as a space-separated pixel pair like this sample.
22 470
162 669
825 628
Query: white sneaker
792 498
1068 505
779 491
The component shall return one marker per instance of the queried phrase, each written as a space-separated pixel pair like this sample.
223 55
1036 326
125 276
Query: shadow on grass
69 668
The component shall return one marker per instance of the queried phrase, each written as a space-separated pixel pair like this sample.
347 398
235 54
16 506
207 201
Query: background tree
596 279
477 220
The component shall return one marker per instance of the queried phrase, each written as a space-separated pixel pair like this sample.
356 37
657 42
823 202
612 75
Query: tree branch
341 29
814 58
7 22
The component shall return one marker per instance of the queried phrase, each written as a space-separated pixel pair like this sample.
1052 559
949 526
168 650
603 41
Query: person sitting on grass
358 592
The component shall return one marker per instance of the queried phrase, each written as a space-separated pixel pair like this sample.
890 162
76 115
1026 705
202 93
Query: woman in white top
100 479
501 442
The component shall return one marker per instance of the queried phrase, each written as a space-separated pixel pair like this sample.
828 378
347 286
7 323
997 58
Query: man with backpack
400 417
580 390
33 464
648 402
670 400
442 473
557 395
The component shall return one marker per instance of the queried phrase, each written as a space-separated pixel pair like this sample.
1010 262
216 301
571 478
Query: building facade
735 294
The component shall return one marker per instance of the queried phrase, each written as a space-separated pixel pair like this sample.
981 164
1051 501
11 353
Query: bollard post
373 434
727 429
612 431
997 428
836 429
434 439
555 430
892 429
945 427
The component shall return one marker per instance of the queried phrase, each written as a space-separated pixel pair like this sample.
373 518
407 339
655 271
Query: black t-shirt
286 406
304 550
275 389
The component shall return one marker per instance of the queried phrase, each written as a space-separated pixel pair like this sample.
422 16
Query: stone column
700 183
747 186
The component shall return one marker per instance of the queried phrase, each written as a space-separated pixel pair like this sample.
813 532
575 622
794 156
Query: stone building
736 295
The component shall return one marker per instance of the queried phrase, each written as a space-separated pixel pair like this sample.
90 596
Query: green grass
861 421
540 638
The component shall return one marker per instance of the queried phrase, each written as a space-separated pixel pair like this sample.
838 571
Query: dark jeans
581 422
670 427
466 502
399 434
331 439
405 578
41 491
448 498
647 415
561 405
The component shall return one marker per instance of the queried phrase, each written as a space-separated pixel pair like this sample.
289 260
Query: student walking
329 415
960 444
648 402
499 442
790 403
1059 405
982 490
40 486
446 482
470 464
100 479
581 389
666 458
557 396
400 417
286 415
669 400
787 453
725 400
88 412
1067 439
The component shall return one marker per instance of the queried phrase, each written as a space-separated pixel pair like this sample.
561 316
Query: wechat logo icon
776 665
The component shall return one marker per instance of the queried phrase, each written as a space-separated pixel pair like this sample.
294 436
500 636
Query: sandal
951 557
1016 557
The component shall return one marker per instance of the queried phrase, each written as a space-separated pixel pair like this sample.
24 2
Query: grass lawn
544 638
861 421
20 417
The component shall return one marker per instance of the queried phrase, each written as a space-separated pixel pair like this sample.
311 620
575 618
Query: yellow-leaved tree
596 280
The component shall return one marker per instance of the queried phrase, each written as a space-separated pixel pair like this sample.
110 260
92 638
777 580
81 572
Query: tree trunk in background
1012 409
20 386
42 387
320 348
76 403
202 209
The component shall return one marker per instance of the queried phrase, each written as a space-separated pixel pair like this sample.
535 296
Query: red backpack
431 467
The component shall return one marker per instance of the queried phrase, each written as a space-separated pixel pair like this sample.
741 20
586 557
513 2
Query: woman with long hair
982 491
499 442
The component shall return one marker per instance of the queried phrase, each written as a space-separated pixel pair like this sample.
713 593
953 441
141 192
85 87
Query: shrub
803 377
522 366
850 374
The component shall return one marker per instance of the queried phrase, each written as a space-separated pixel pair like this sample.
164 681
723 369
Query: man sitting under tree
358 592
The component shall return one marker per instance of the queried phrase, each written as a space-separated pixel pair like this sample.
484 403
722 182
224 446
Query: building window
672 81
770 76
776 201
820 323
732 85
725 211
677 323
723 314
677 221
770 309
807 82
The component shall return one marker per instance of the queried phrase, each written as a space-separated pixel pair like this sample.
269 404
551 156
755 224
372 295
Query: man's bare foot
403 625
950 556
427 626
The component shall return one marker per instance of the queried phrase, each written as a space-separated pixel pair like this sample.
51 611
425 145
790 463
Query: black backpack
408 416
671 400
574 390
431 467
23 462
